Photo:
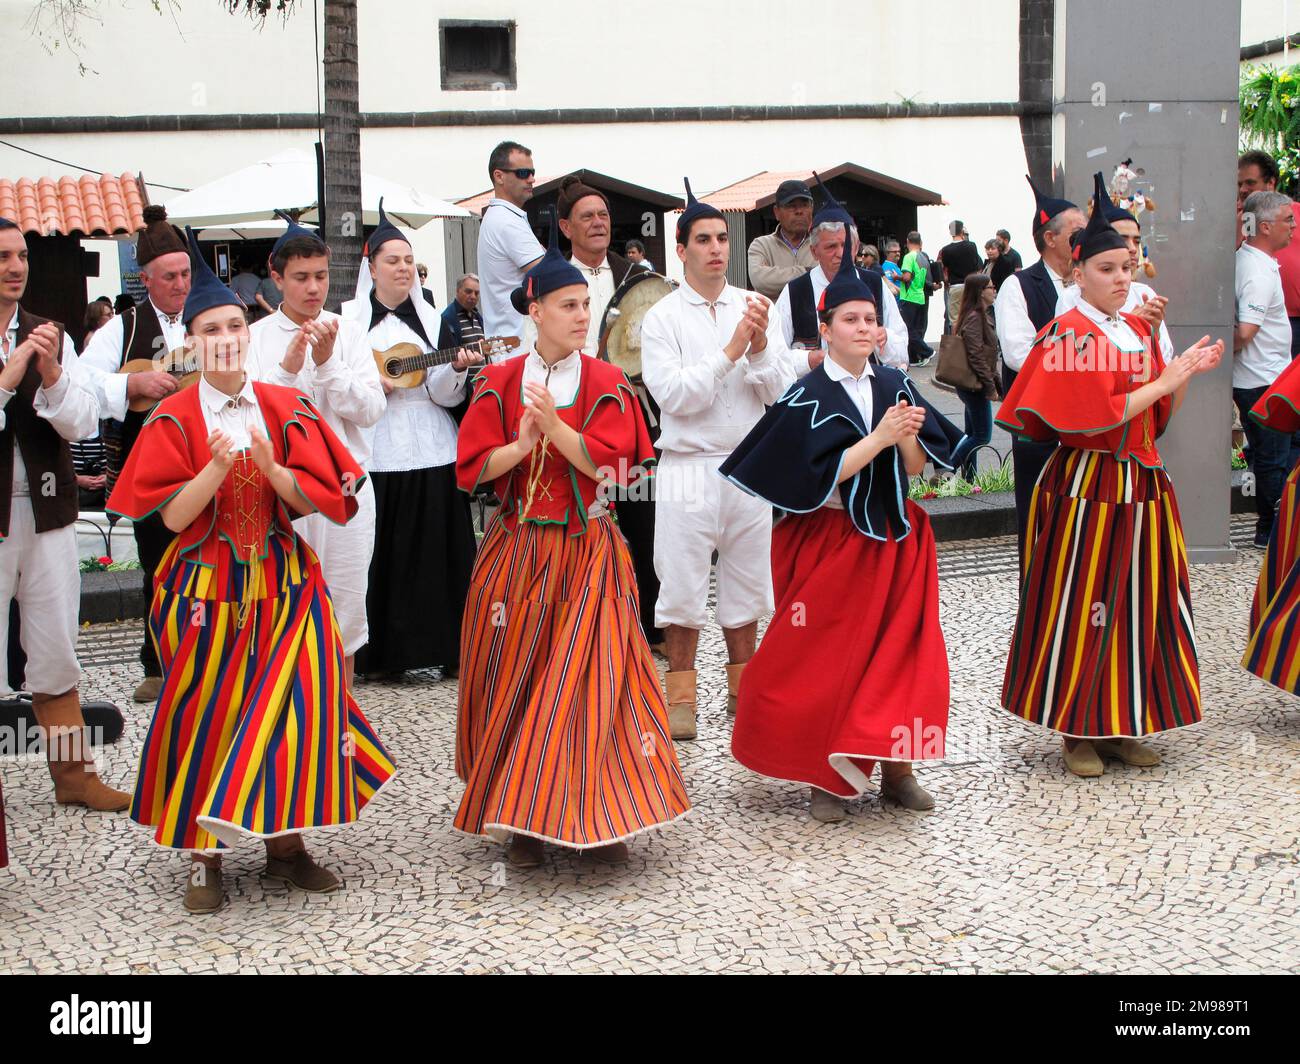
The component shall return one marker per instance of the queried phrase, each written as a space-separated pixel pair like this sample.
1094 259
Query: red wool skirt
853 667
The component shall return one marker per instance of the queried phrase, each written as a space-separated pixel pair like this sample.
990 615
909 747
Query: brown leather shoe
825 808
302 872
1128 750
148 689
613 854
907 792
681 703
67 750
524 851
205 892
1082 760
733 686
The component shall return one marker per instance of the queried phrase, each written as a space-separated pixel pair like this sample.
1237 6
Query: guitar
184 366
403 365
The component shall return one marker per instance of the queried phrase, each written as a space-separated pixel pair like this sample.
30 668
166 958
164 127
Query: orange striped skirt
1103 643
562 732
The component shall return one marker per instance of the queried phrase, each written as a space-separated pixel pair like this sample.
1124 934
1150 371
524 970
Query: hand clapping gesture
900 422
542 405
220 445
262 451
1201 357
322 335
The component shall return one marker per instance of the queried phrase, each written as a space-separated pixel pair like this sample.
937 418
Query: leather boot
1082 759
68 751
681 703
733 686
1128 750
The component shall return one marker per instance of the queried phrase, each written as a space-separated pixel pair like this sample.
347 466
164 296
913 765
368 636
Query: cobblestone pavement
1191 866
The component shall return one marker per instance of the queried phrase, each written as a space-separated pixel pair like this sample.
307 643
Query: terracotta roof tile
85 206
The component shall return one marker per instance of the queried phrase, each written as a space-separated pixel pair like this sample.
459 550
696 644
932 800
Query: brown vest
45 453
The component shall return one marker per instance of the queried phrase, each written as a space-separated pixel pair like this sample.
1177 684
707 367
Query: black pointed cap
1098 235
831 209
384 232
1046 207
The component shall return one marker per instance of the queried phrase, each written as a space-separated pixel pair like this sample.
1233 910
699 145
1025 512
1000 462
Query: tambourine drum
620 326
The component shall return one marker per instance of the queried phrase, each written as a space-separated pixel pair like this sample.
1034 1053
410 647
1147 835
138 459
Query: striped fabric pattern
254 733
1104 642
1273 652
562 730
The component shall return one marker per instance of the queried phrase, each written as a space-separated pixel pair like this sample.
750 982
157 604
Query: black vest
1040 294
803 308
45 453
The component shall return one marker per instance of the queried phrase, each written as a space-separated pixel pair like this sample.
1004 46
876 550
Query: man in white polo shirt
507 246
1261 346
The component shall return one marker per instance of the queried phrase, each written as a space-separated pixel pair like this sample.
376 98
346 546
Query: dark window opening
477 55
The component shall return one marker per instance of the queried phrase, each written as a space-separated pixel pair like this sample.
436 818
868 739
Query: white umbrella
242 230
287 182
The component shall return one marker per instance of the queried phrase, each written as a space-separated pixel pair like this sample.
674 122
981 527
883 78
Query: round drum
620 327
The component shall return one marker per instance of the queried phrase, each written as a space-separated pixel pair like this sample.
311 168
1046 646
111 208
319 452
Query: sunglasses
523 173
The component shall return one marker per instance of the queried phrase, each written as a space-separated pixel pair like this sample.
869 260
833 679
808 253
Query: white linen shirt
858 389
1011 315
234 414
103 357
895 352
345 387
1260 301
1070 298
416 431
506 245
707 402
600 287
69 405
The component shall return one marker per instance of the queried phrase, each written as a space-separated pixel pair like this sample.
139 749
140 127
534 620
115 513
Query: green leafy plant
1270 118
105 564
1238 458
986 482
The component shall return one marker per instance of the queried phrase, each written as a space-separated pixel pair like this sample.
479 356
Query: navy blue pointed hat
206 290
384 232
292 233
694 211
552 271
1098 235
846 286
1047 207
831 210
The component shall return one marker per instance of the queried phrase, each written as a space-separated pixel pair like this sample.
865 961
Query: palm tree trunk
342 229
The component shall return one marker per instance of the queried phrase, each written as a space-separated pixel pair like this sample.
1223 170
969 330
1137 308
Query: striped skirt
1103 643
562 730
1273 653
254 733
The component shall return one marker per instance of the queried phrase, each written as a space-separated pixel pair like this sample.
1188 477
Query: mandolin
403 365
184 366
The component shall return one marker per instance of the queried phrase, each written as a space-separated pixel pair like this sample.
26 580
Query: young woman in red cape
1103 650
255 733
562 733
852 669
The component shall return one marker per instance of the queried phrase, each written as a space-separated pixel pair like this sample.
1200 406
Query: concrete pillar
1157 82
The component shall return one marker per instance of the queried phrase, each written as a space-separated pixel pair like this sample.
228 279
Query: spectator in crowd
423 271
268 297
461 321
996 264
507 246
636 255
1258 172
778 258
974 324
868 258
1261 346
97 313
1008 252
912 300
88 458
124 301
959 259
890 268
245 284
